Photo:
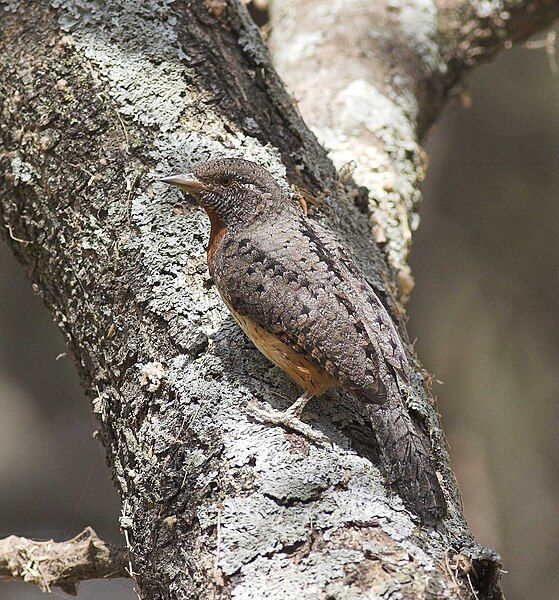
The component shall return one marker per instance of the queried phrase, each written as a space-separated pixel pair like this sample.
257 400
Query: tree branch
61 564
473 32
371 77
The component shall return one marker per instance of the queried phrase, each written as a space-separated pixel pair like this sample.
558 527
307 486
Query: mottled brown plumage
296 293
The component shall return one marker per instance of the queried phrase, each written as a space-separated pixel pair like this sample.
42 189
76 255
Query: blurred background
485 309
485 313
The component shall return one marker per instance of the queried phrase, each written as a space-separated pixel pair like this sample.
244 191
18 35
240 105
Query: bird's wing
367 305
295 280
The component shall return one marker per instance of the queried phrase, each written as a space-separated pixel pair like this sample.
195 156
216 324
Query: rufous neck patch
218 230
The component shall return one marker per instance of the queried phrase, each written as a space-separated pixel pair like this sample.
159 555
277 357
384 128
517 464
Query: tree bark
371 77
61 564
98 101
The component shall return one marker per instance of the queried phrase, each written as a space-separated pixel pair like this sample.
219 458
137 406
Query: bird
297 294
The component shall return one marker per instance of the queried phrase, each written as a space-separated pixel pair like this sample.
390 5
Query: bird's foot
290 418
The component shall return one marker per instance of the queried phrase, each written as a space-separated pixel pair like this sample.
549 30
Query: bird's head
236 190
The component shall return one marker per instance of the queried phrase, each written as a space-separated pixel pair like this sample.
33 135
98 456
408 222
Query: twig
472 586
51 564
124 524
16 239
120 119
218 577
548 44
218 541
126 135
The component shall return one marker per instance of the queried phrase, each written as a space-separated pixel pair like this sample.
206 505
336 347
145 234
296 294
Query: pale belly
307 375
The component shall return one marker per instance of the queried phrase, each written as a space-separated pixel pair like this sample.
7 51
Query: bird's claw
288 419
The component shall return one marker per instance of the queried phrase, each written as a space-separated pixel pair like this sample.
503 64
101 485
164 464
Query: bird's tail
405 454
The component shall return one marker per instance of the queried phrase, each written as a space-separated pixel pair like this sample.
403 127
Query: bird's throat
218 230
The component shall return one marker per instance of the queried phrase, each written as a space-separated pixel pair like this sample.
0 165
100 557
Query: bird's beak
187 183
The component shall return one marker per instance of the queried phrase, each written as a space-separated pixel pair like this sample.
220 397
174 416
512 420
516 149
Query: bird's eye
226 180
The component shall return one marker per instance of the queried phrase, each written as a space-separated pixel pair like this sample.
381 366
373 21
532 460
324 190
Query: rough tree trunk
99 99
